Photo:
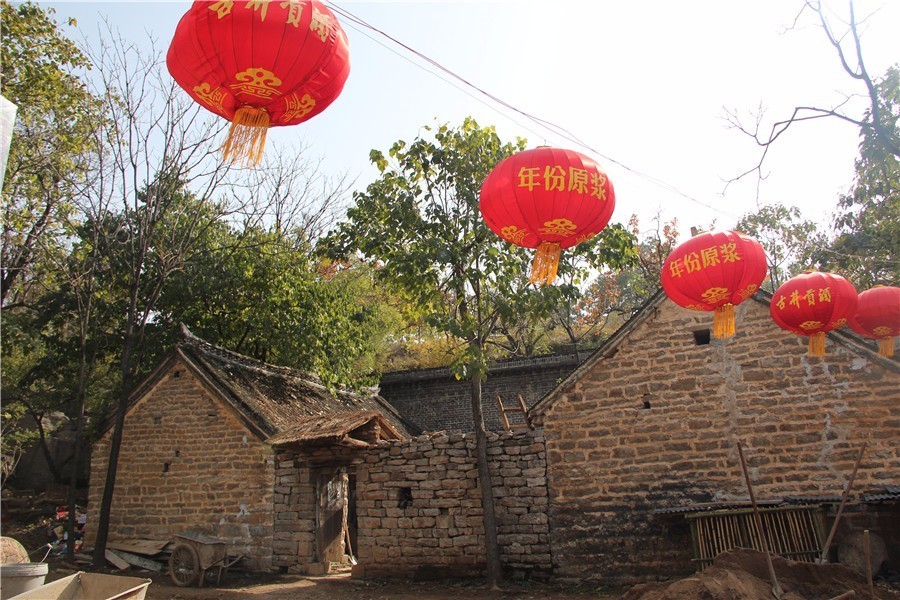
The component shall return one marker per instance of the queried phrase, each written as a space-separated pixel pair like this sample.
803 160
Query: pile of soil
743 574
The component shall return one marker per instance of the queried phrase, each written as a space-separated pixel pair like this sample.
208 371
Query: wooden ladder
513 409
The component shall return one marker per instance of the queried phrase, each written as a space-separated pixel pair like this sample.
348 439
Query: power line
547 125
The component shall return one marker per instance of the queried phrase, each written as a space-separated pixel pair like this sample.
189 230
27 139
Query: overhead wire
547 125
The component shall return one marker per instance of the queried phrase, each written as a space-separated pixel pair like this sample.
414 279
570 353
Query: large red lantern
812 304
547 198
259 64
878 316
715 271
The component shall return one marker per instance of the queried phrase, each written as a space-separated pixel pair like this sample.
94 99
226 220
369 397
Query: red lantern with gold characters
715 271
812 304
547 198
878 316
259 64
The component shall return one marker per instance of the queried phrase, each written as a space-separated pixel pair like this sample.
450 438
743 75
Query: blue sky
644 84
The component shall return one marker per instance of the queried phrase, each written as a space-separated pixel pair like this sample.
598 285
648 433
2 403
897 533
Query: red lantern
878 316
812 304
549 199
714 271
259 64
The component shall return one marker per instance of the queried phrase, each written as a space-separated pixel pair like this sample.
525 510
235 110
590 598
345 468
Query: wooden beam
137 561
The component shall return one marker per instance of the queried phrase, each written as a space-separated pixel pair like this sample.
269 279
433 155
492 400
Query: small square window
701 337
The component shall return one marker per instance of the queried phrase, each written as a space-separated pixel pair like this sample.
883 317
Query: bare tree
848 46
155 145
295 194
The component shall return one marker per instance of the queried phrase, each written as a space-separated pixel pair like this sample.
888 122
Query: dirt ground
735 575
342 587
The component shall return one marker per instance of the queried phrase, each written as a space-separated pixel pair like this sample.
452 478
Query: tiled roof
336 428
275 398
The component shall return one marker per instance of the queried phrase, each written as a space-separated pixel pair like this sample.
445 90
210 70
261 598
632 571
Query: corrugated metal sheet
769 502
891 493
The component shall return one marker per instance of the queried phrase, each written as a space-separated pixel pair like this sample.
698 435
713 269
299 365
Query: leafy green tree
261 294
866 247
420 222
789 240
52 143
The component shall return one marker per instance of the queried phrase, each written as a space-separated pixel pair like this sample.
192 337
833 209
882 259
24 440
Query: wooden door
331 514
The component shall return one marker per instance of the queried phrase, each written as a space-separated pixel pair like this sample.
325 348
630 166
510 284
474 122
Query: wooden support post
776 587
823 557
869 563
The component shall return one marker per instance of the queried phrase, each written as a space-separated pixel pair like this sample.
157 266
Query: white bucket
18 578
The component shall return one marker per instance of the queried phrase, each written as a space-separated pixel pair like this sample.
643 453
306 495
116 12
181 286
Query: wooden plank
116 560
145 547
503 420
138 561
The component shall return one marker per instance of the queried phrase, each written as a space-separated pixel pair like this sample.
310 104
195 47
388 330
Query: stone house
255 455
633 458
645 433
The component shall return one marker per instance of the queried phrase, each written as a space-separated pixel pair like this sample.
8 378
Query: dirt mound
744 575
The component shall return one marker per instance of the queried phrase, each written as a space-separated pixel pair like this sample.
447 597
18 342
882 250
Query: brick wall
656 424
187 464
419 506
435 400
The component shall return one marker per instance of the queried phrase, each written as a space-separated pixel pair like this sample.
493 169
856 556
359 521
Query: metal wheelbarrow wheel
184 565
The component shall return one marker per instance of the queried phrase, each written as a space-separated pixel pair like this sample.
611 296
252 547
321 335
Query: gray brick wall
434 400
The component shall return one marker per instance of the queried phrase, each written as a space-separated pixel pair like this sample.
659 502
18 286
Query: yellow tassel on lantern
817 344
723 322
247 136
886 347
546 262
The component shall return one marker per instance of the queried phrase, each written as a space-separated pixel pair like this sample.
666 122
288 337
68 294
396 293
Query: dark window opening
701 337
177 453
165 467
404 497
646 402
176 374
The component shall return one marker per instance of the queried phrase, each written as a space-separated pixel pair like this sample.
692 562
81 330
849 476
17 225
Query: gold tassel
723 322
817 344
546 262
244 146
886 347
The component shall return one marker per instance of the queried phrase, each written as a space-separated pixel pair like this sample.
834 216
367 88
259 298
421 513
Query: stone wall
656 422
187 464
434 400
295 513
419 506
295 499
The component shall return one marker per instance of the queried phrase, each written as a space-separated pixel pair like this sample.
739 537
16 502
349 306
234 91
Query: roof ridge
190 339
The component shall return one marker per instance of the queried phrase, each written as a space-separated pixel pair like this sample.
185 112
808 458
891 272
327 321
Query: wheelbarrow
193 555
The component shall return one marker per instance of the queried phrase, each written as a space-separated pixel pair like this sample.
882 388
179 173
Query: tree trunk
491 547
99 557
71 497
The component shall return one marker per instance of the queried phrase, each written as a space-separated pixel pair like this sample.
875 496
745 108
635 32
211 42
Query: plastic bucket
18 578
